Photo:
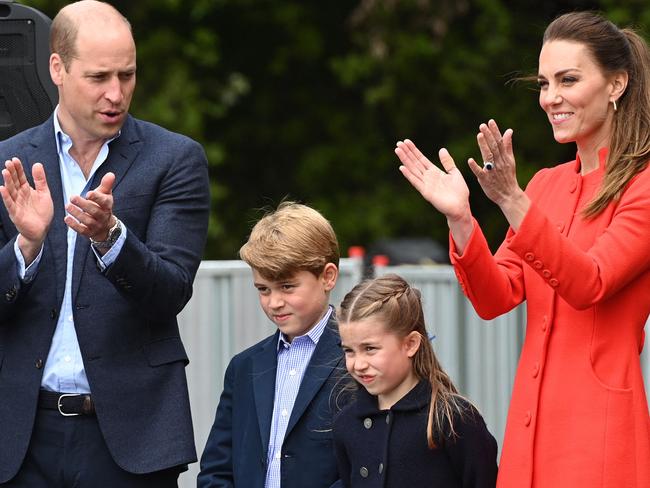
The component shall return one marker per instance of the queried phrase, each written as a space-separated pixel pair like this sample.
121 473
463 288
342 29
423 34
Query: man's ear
329 275
56 69
412 343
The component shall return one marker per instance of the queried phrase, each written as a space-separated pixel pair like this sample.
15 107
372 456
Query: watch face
113 235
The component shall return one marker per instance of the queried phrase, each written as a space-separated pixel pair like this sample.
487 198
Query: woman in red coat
578 251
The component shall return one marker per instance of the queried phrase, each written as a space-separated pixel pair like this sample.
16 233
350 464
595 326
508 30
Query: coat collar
602 160
419 397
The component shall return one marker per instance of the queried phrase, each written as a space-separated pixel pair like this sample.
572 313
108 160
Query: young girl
407 426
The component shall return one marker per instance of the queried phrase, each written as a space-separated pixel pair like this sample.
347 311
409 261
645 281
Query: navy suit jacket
125 317
236 450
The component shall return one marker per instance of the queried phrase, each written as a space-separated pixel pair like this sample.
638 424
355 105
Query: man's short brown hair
292 238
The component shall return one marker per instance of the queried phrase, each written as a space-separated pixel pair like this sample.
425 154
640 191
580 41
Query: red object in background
356 252
380 260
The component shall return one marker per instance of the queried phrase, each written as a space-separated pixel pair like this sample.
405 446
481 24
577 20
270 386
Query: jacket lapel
264 368
44 152
121 155
326 358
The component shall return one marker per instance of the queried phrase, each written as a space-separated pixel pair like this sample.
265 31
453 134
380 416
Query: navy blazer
125 317
236 450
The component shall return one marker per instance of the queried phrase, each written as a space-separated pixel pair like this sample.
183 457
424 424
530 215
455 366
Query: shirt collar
63 140
314 333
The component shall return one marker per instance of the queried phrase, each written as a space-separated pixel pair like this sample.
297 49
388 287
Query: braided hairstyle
392 301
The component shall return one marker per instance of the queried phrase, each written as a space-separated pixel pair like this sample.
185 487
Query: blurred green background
306 99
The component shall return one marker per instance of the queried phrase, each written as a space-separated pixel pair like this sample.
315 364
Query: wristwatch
113 234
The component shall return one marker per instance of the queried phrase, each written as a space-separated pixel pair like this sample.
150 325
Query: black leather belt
68 404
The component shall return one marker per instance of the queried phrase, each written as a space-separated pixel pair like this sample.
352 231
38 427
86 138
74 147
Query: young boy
273 427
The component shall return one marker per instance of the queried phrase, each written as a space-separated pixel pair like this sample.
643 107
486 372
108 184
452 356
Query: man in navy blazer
273 426
102 228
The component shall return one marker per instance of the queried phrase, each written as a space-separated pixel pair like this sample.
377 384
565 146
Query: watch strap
113 233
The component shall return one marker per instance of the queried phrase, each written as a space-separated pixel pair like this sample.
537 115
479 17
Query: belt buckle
59 405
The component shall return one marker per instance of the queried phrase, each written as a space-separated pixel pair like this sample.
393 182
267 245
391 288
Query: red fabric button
535 370
553 282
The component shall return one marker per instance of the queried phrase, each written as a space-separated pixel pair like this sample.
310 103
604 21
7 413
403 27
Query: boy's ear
329 275
412 343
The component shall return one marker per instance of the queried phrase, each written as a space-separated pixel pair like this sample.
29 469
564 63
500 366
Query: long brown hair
615 50
393 302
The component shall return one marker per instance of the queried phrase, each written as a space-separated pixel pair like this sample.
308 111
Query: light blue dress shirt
64 369
293 359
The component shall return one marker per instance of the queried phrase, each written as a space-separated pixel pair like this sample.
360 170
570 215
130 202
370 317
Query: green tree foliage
306 99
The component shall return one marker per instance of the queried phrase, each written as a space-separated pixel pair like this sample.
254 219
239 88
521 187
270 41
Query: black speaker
27 94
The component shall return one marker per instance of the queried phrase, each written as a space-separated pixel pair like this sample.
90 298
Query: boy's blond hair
292 238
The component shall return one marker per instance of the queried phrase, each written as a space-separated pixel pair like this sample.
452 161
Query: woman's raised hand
500 182
445 190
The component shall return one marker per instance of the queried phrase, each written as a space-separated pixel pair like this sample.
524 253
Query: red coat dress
578 415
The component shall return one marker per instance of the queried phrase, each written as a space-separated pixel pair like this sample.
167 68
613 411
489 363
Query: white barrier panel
224 317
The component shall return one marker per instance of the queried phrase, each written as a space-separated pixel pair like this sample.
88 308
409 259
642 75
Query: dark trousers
70 452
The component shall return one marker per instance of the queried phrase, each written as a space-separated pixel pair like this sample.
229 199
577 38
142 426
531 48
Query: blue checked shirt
64 369
293 359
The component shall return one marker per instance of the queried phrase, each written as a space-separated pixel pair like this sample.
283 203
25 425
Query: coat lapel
121 155
264 368
326 358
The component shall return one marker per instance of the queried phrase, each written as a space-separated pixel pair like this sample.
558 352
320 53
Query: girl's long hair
393 302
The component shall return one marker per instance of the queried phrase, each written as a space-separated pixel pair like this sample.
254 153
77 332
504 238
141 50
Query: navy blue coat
125 317
236 450
389 448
